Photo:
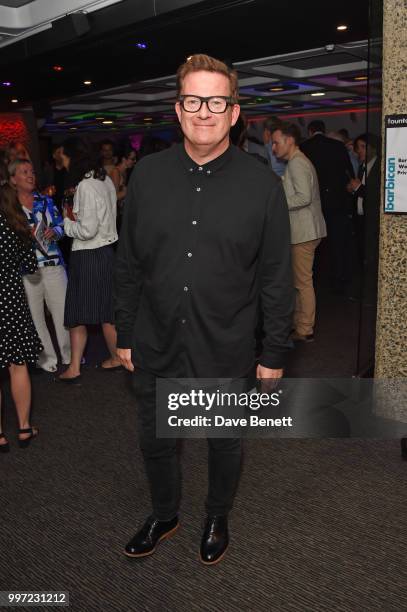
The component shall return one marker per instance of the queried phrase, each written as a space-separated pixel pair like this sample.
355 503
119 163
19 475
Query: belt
49 263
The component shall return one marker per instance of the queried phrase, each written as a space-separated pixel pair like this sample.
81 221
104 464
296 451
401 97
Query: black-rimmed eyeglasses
216 104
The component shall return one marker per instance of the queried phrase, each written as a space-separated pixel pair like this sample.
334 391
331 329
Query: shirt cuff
67 226
274 361
124 340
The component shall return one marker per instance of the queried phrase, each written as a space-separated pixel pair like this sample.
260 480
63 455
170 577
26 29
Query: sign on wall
395 178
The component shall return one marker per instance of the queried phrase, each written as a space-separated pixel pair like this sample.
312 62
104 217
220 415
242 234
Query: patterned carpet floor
318 525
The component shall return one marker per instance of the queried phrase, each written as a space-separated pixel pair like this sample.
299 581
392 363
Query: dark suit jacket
371 208
334 170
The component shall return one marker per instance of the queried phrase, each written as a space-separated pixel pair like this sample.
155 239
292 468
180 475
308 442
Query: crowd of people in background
59 231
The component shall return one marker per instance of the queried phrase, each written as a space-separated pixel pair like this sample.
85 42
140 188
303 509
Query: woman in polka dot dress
19 341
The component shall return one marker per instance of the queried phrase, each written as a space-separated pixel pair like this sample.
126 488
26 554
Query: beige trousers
303 260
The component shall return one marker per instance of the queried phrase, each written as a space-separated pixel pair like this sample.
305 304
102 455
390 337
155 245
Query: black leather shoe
150 535
215 540
4 448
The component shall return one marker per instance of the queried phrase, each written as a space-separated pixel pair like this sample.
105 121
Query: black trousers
162 462
339 239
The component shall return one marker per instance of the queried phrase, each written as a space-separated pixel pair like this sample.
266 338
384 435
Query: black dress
19 341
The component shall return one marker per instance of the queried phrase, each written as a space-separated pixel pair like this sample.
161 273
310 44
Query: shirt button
198 189
183 321
185 288
189 254
200 168
191 169
194 222
208 172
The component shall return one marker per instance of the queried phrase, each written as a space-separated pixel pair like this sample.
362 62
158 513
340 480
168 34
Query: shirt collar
210 167
370 164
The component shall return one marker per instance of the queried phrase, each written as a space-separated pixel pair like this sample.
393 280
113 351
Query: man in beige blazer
307 223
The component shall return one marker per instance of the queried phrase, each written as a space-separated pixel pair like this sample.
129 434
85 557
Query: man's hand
269 378
124 356
353 185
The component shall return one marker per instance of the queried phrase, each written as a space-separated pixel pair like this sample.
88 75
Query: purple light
141 45
6 83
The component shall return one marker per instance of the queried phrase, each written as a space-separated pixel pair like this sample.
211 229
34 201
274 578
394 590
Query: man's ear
178 110
235 114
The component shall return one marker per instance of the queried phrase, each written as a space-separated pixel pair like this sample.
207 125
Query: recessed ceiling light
342 28
58 68
141 45
318 93
99 118
107 122
287 106
14 100
348 100
73 128
87 82
276 89
148 118
6 84
360 78
61 122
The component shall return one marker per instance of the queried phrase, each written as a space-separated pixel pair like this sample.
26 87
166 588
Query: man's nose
204 111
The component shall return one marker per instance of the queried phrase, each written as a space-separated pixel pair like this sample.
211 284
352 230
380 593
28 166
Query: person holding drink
49 282
92 225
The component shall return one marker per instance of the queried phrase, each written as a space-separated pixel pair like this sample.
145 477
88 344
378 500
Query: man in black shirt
205 235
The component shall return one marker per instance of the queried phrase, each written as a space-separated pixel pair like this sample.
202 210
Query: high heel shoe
4 448
34 431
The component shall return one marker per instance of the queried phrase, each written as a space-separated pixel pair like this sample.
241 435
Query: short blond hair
200 61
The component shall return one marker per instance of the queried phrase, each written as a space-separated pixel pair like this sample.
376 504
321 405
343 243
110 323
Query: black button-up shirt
199 245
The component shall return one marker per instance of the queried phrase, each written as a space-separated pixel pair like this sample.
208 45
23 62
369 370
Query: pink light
135 141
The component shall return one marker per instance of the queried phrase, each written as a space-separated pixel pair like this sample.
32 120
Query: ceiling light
99 118
14 100
58 68
148 118
107 122
360 78
87 82
6 84
348 100
287 106
73 128
341 28
61 122
276 89
318 93
141 45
